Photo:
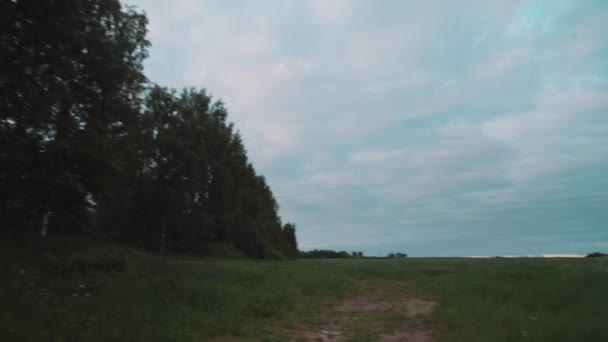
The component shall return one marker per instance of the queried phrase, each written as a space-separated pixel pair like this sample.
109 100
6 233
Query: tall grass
185 299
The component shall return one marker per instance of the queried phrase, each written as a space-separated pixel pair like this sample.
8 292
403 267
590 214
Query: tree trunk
163 235
44 228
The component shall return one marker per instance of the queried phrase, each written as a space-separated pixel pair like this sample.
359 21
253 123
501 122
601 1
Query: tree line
332 254
89 146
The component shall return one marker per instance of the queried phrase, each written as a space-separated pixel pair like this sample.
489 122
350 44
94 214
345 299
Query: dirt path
380 314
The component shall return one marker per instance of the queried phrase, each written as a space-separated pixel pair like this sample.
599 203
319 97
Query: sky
433 128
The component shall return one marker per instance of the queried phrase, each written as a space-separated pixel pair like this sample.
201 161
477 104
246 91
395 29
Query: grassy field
188 299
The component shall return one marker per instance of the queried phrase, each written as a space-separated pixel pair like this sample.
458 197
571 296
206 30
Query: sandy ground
341 316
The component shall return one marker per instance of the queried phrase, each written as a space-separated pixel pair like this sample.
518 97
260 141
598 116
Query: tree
88 145
289 235
397 255
70 72
357 254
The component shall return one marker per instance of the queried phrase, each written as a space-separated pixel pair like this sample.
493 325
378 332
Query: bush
222 250
92 261
103 263
276 255
323 254
597 255
396 255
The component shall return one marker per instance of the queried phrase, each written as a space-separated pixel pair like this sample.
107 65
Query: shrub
276 255
597 255
93 261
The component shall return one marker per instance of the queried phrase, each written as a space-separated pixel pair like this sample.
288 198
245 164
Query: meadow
156 298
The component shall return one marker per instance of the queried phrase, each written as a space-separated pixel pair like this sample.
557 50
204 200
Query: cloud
332 11
440 127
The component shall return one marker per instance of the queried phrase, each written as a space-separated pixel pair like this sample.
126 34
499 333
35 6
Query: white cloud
543 137
380 114
505 63
334 11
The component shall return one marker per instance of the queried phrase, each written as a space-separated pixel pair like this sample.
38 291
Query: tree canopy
89 145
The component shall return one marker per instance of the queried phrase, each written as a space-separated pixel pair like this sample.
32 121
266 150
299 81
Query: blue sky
427 127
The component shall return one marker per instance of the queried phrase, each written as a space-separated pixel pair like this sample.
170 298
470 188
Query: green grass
185 299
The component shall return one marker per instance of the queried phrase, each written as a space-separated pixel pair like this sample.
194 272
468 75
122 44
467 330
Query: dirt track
340 318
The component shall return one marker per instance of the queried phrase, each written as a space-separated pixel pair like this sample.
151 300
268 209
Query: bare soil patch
341 317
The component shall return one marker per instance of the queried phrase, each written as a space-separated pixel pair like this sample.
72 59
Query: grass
370 324
185 299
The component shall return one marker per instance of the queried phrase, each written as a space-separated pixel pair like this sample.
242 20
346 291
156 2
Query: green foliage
290 247
597 255
324 254
222 250
70 72
396 255
276 255
67 256
88 146
83 264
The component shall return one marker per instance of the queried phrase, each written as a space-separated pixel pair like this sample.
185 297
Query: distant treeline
324 254
88 145
331 254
